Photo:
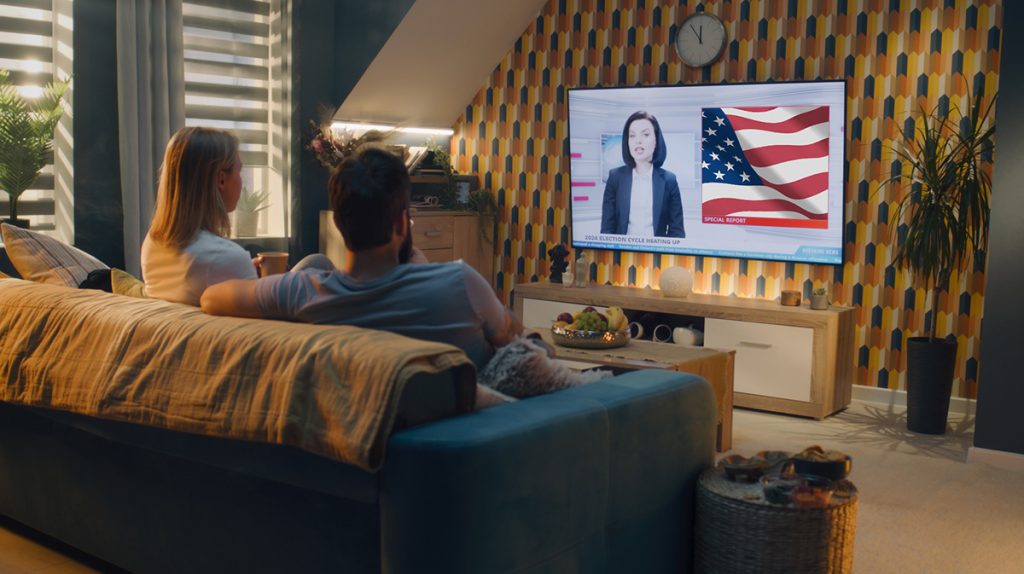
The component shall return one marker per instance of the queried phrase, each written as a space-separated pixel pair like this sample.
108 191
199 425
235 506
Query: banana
616 319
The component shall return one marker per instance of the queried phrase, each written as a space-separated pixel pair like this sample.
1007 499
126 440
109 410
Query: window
236 56
35 45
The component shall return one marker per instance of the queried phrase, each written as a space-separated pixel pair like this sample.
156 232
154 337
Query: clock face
700 39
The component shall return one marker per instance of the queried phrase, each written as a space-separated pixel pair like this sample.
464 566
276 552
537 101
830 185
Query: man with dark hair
445 302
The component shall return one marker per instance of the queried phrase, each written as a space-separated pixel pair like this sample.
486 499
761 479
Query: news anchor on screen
641 198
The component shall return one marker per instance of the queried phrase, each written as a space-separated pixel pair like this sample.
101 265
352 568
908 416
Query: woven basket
739 532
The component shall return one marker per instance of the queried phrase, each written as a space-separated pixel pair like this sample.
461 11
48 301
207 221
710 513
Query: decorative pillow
125 283
45 259
523 369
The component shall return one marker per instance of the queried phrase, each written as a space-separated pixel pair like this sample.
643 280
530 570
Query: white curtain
151 107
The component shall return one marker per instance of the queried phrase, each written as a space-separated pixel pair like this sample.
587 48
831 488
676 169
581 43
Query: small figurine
559 264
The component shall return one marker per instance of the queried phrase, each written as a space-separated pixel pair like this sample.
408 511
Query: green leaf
26 134
946 211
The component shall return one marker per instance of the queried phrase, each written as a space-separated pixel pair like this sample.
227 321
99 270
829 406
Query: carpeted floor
921 508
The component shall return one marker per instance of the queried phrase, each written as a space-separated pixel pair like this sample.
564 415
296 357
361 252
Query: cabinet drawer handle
755 345
433 233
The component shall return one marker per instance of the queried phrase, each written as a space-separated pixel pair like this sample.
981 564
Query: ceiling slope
436 60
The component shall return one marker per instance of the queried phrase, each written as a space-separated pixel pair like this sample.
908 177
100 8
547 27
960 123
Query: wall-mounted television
727 170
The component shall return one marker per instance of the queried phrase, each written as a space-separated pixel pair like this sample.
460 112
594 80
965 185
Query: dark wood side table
738 531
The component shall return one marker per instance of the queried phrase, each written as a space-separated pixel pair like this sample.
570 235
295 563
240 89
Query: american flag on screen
765 166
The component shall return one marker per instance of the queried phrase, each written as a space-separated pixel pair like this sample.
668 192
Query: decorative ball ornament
676 282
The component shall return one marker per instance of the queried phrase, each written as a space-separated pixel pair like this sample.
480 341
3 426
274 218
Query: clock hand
699 34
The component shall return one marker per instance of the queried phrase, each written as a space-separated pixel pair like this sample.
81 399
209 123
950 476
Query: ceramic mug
662 334
274 262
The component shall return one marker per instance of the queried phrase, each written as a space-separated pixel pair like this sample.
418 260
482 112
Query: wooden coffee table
716 366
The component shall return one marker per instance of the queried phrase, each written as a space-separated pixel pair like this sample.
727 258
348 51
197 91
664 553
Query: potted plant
942 220
247 212
819 298
26 137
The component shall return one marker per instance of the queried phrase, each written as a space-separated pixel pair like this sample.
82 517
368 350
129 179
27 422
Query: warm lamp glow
362 128
428 131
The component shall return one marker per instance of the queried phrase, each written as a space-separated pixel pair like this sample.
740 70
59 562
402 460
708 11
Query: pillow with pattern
41 258
124 283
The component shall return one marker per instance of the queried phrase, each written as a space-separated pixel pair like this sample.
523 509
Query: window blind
26 50
237 69
227 70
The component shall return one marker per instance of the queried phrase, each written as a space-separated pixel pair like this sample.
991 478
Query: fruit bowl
589 339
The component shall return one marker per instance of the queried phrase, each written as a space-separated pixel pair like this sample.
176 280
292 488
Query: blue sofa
599 478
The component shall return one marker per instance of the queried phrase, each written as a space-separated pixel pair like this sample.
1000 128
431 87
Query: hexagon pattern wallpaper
896 56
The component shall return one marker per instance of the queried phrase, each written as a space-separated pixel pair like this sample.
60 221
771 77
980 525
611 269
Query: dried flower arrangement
330 147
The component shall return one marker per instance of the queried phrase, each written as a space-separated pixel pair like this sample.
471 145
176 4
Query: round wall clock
700 39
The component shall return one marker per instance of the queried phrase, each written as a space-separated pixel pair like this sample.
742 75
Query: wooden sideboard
792 360
441 235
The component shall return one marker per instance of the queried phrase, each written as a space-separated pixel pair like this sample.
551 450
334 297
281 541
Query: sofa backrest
332 390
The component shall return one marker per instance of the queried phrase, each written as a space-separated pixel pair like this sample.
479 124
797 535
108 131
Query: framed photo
463 185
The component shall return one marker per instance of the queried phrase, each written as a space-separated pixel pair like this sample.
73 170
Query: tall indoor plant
945 213
26 137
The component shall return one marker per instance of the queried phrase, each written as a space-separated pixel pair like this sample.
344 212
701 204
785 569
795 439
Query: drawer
771 360
438 255
433 232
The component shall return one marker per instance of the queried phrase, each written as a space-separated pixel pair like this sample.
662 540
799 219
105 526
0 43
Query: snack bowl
589 339
800 490
741 469
815 460
830 469
775 458
811 495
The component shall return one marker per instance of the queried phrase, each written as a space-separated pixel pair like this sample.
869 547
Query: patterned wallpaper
895 55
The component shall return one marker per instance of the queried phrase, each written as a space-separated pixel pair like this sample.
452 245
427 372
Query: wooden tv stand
791 360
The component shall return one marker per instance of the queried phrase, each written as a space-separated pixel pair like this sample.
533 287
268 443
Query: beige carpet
922 508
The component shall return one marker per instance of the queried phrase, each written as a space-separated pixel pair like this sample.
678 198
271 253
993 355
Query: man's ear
403 226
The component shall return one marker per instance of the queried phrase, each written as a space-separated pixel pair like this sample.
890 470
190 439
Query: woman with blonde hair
186 249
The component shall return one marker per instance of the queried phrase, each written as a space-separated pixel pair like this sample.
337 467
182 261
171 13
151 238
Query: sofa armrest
544 481
660 443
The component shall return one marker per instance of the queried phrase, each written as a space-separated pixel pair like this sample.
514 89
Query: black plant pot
22 223
930 364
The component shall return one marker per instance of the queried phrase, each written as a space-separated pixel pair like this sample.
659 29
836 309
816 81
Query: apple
589 309
566 317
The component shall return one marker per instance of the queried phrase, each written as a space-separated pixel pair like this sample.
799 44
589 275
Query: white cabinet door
771 360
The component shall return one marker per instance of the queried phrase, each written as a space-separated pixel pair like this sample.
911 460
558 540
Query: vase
246 223
676 282
819 302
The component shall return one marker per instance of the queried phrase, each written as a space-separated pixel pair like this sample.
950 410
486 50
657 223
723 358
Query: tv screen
728 170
